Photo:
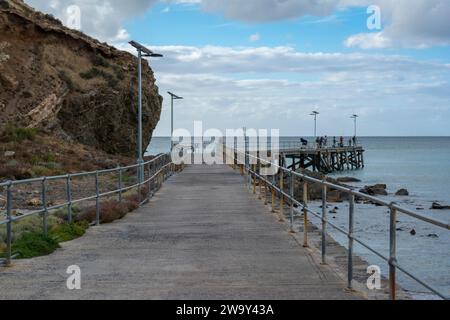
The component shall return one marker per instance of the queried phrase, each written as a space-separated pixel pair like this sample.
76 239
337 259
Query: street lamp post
173 97
355 117
142 52
315 114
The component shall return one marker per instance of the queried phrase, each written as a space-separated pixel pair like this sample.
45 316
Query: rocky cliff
70 85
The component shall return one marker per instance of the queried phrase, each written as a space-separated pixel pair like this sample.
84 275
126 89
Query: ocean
419 164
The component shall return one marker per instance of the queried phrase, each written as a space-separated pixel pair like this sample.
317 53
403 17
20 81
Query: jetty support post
351 222
324 223
392 252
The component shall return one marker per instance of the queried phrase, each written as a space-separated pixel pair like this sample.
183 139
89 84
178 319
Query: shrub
34 245
67 79
18 134
91 74
110 211
69 231
99 61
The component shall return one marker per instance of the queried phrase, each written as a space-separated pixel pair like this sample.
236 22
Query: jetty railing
252 168
155 171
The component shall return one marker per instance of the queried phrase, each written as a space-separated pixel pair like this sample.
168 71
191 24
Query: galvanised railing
254 178
155 171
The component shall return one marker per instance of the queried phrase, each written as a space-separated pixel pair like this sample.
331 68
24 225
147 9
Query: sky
267 64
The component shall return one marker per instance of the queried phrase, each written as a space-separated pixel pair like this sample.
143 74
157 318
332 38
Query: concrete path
203 236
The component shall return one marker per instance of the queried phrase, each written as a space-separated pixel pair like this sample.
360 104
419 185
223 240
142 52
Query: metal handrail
252 169
159 169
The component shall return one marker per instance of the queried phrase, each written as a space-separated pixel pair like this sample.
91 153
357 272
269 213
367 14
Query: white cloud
101 19
233 87
255 37
407 23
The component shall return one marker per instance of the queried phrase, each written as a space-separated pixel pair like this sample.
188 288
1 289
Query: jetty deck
203 236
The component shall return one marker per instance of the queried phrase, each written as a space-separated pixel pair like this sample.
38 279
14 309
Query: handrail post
266 184
291 192
149 194
351 223
9 224
44 206
392 252
97 200
254 179
120 184
324 224
69 198
273 193
281 195
305 214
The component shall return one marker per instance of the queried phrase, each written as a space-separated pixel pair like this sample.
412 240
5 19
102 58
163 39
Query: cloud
276 87
255 37
408 24
102 19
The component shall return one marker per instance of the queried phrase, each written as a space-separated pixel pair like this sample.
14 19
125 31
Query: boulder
375 190
35 202
438 206
402 192
347 179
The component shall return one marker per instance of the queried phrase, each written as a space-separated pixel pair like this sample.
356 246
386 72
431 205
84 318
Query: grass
63 75
99 61
34 245
68 231
17 134
97 73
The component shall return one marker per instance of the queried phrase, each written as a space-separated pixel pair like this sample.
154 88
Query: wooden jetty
324 160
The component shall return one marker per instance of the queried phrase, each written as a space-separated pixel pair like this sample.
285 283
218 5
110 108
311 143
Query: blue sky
269 63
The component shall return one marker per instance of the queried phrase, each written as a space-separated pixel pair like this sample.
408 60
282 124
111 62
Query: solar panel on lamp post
173 97
142 52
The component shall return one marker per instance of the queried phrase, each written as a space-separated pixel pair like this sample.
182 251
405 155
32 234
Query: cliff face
70 85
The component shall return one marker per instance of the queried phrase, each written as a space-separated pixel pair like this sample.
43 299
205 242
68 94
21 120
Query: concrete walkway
203 236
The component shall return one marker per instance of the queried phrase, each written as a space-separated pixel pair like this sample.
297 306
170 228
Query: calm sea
419 164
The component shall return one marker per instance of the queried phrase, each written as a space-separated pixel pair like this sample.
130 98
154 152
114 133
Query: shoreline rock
375 190
402 192
438 206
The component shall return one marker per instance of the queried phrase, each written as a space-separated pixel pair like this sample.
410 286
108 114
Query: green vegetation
97 73
67 79
69 231
99 61
29 240
17 134
34 245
